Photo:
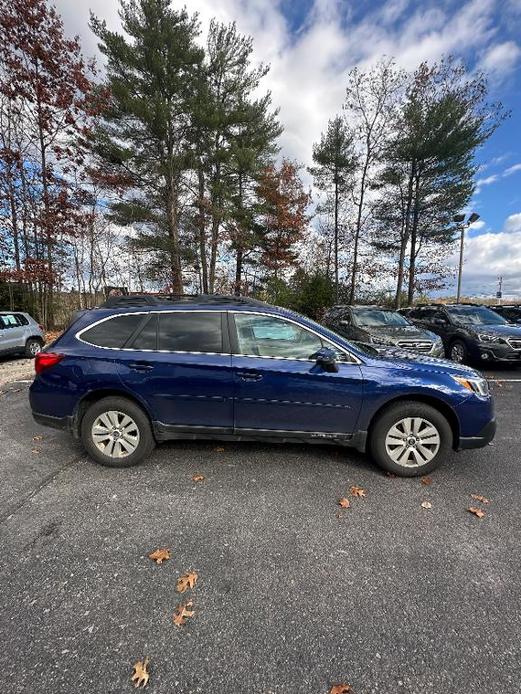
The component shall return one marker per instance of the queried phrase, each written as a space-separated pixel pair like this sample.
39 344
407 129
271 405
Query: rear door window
147 336
191 331
270 336
114 332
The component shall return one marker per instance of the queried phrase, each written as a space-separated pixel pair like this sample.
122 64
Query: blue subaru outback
143 370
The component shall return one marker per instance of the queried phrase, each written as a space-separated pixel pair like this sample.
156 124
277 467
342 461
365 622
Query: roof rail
161 299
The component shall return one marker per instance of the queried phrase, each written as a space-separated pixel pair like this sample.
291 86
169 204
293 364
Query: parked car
20 334
234 369
512 314
471 332
382 326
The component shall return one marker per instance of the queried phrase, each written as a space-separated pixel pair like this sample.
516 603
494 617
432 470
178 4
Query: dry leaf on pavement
219 449
476 511
426 481
198 478
341 689
344 503
480 497
140 675
187 581
426 504
159 555
182 612
357 491
38 437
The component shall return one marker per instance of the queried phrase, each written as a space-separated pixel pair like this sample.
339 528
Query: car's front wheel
410 439
32 347
116 432
458 352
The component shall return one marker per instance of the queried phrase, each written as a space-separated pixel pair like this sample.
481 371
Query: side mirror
344 321
326 359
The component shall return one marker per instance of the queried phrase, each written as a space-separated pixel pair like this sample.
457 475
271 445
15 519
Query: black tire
145 438
32 347
393 415
458 352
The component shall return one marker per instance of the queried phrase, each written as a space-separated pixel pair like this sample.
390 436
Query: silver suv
19 333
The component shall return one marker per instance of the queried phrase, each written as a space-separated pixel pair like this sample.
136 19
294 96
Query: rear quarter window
114 332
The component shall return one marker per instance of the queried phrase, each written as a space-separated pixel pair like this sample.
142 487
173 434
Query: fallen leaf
476 511
140 675
35 450
341 689
480 497
344 503
219 449
159 555
38 437
187 581
426 504
198 478
182 612
426 481
357 491
390 474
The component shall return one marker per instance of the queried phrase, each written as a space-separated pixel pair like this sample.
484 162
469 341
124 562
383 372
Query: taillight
41 327
44 360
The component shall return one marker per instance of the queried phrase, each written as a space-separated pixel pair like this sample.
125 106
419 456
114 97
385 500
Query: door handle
249 376
140 366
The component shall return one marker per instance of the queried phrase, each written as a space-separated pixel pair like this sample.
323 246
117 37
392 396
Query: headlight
475 385
483 337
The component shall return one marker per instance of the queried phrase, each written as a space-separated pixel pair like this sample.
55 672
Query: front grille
416 345
514 343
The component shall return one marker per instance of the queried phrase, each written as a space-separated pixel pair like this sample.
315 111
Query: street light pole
459 219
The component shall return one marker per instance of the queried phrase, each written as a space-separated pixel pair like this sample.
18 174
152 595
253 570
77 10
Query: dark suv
226 368
471 332
382 326
510 313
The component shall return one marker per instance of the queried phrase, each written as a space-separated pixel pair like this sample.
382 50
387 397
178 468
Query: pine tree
335 162
145 142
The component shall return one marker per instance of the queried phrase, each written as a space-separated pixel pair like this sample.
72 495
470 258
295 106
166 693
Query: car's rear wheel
116 432
410 439
458 352
32 347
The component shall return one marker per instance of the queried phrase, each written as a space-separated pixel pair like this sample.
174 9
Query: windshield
374 317
476 315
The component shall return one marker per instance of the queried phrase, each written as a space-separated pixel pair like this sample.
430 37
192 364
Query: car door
13 334
179 363
278 386
344 326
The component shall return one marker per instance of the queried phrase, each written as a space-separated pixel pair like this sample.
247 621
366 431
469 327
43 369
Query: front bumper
490 351
485 436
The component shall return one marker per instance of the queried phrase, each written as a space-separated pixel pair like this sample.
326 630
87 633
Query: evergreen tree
145 141
335 162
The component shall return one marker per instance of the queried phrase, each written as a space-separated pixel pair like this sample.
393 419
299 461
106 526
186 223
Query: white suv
19 333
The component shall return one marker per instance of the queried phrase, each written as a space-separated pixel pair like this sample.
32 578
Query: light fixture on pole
462 225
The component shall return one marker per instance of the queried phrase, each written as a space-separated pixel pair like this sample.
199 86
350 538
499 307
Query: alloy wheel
115 434
412 442
457 353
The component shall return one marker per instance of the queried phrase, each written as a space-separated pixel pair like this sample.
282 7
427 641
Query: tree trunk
238 272
216 222
173 231
414 239
405 236
336 237
358 229
202 231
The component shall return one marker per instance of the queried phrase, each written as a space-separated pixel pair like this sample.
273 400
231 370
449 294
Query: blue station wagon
123 378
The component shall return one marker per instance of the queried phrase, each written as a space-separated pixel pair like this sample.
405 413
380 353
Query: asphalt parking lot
294 594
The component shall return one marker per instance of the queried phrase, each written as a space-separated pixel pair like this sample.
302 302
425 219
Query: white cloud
490 255
481 182
501 58
512 169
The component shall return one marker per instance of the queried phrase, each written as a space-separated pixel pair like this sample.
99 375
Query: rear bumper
484 437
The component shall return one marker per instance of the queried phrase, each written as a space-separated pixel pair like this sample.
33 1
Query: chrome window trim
355 359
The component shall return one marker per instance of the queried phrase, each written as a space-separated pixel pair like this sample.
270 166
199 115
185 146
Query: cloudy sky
310 45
